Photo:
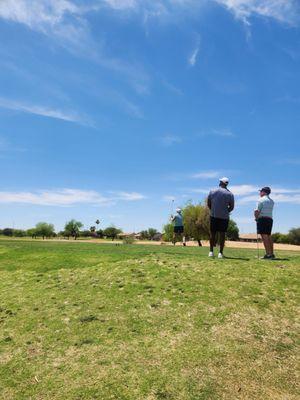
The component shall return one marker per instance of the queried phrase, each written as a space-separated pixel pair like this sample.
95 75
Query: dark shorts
264 226
218 224
178 229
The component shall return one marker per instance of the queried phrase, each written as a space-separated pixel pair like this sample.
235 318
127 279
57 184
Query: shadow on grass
236 258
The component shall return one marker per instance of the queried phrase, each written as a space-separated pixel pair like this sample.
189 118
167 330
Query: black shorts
178 229
264 226
218 224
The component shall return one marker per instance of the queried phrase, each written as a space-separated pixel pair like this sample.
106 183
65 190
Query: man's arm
231 204
209 201
257 211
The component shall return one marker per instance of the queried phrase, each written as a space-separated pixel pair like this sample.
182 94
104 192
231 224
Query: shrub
128 240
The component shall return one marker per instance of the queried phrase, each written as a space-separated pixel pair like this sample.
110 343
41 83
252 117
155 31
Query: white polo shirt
265 207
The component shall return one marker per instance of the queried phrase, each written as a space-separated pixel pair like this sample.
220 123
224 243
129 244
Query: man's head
179 210
224 182
265 191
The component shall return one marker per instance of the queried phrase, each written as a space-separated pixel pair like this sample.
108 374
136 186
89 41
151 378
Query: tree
233 231
196 222
19 233
100 233
111 232
281 238
144 235
86 233
8 231
151 233
31 232
72 228
44 229
294 236
168 230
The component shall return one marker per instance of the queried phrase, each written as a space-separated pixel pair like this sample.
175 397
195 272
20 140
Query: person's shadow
236 258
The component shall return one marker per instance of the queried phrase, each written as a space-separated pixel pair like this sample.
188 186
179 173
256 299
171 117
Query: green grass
90 321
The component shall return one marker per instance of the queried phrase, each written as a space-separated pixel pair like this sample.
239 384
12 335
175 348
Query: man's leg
271 245
266 243
212 240
222 241
174 238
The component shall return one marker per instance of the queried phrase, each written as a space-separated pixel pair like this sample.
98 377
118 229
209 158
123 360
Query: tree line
72 229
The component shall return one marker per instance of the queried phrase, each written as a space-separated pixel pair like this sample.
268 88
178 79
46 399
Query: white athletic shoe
220 255
211 254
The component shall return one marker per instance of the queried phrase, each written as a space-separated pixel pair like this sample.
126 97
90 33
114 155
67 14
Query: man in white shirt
264 219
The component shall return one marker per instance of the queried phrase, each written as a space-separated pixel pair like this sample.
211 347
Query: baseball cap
265 189
178 210
224 180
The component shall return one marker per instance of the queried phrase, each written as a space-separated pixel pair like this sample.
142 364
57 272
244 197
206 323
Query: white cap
178 210
224 180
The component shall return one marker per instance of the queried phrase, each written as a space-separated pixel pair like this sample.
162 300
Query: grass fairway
88 321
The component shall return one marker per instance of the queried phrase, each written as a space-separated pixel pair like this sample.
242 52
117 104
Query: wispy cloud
249 193
67 197
43 111
128 196
170 140
289 161
285 11
218 132
66 21
193 57
205 175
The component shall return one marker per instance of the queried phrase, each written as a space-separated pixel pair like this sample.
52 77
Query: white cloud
193 58
66 197
129 196
66 21
249 193
43 111
242 190
278 198
121 4
285 11
226 133
205 175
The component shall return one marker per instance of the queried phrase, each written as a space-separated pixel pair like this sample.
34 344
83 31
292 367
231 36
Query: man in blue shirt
178 229
220 201
263 215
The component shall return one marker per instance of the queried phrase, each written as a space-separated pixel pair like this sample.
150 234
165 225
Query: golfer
263 215
178 229
220 201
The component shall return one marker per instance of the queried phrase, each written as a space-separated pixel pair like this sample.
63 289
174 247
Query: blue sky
111 108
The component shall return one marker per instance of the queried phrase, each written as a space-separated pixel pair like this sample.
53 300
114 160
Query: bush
168 232
294 236
233 231
111 232
8 231
128 240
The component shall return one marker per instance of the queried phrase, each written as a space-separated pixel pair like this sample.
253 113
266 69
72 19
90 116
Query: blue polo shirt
178 220
222 203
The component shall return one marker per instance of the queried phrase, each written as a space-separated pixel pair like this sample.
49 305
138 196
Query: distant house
157 236
126 234
249 237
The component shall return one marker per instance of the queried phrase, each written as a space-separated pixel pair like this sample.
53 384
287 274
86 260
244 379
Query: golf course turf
91 321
